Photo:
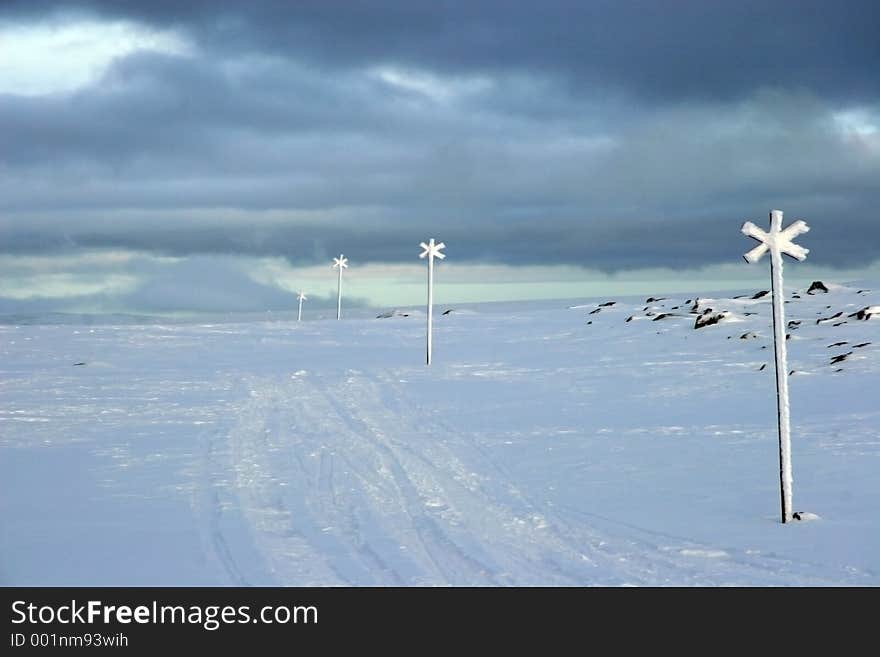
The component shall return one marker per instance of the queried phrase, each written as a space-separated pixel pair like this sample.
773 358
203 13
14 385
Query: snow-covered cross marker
431 251
302 297
778 241
339 263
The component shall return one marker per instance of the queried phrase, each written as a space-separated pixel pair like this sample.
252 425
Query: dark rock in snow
867 312
837 344
822 320
654 299
859 346
794 323
78 364
795 296
817 286
663 316
590 322
840 358
762 293
748 335
392 313
708 318
607 304
593 312
450 311
761 369
630 318
839 323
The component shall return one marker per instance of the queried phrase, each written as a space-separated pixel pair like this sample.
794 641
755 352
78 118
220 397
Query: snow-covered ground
538 449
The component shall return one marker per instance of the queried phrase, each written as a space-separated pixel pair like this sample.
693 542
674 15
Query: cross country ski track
348 481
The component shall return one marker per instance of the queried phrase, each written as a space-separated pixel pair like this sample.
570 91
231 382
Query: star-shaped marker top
776 238
431 249
302 296
341 261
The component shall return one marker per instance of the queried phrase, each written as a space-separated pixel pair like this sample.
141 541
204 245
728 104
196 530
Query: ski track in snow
339 488
208 509
537 450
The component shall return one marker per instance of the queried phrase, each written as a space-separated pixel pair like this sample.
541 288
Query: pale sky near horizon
213 156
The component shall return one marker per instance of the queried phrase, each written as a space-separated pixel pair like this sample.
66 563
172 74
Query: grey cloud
205 285
196 284
610 135
611 245
713 49
174 105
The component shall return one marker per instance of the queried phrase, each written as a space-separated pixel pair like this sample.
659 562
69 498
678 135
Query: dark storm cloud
674 49
610 246
609 134
153 103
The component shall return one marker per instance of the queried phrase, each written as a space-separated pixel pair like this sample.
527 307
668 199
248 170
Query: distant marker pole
302 297
431 251
339 263
779 241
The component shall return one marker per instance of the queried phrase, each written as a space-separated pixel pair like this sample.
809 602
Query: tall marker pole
339 263
431 250
779 241
302 297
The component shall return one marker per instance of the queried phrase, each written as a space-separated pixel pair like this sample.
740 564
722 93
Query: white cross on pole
339 263
431 251
302 297
779 241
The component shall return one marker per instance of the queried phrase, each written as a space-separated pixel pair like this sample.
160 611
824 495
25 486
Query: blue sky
178 157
